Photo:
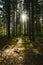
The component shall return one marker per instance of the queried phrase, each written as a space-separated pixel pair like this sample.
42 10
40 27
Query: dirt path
22 53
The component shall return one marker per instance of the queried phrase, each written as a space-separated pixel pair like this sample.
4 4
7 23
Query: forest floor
21 51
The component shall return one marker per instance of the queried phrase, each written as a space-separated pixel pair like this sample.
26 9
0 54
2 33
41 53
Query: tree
7 9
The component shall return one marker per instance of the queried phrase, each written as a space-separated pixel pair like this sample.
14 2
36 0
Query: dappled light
21 52
21 32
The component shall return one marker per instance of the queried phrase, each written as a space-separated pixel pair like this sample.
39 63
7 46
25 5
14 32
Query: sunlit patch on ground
36 51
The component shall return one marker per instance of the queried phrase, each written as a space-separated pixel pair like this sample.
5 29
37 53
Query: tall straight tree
7 9
32 21
27 7
13 8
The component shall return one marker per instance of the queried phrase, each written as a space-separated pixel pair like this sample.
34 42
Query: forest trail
21 52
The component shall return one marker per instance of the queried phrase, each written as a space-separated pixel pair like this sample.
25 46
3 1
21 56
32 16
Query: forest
21 32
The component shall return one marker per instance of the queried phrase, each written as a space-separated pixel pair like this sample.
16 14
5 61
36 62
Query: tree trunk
7 8
32 31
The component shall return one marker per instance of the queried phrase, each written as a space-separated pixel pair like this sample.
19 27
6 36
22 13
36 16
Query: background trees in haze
12 11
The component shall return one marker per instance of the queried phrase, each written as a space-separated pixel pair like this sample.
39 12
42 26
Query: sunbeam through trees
21 32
